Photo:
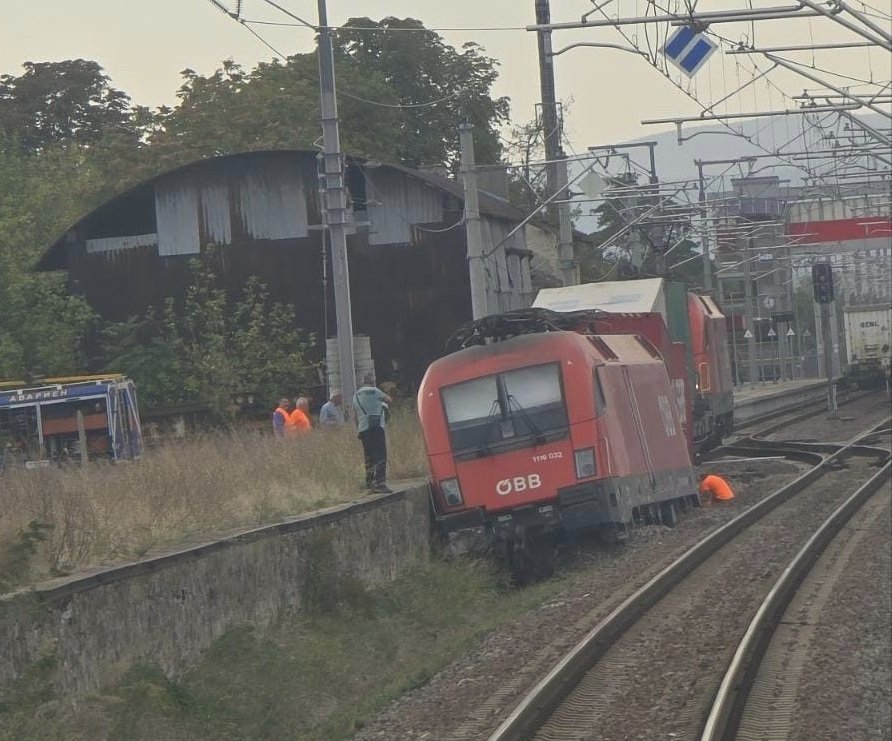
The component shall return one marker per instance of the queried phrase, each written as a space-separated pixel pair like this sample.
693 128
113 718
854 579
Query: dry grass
105 514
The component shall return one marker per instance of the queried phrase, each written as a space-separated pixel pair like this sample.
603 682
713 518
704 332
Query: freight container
868 342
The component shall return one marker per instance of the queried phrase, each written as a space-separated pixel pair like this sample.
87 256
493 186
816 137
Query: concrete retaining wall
169 609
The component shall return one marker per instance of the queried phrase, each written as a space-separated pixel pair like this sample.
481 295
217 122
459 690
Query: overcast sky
144 45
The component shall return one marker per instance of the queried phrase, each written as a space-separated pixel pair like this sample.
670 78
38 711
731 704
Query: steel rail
538 704
820 404
728 706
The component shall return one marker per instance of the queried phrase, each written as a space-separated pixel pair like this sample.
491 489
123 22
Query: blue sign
689 49
51 393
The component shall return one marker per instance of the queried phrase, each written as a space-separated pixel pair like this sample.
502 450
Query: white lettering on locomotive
518 484
666 414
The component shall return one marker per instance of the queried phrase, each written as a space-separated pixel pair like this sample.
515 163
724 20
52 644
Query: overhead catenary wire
752 138
425 104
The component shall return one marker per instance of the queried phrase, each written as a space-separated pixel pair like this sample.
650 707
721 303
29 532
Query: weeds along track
652 667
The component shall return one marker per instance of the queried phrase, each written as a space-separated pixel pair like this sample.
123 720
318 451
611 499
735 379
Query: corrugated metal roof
174 203
215 213
273 202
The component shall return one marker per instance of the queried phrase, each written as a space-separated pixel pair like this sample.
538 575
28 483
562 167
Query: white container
868 337
363 364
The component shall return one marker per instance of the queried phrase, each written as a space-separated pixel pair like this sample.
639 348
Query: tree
437 87
274 106
401 97
41 325
213 348
56 102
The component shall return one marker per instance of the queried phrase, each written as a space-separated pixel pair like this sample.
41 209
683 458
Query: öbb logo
518 484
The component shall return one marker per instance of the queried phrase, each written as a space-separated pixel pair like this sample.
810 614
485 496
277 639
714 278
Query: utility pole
556 167
822 285
569 274
704 237
335 206
827 335
748 312
473 226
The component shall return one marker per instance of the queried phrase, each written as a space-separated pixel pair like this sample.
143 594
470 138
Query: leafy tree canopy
274 106
214 347
56 102
438 86
401 97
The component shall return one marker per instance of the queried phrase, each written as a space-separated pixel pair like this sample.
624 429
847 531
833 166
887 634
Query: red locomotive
545 422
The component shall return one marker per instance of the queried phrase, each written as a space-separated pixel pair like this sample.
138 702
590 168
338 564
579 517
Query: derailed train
543 422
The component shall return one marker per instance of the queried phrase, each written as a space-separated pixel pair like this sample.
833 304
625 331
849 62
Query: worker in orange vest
299 419
282 418
715 486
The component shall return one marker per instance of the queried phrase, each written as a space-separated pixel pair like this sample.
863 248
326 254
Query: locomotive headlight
585 463
451 492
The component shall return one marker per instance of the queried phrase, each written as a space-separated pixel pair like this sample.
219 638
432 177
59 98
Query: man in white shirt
368 408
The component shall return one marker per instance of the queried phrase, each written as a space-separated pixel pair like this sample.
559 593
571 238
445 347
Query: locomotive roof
532 349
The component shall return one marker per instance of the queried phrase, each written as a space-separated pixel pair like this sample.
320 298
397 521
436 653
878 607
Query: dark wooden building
407 249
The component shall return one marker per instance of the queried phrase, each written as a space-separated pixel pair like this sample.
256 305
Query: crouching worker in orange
716 488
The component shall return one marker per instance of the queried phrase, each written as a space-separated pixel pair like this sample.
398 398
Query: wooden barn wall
408 298
395 204
409 281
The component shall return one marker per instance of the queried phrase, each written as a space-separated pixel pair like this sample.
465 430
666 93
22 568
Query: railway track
651 668
757 696
786 417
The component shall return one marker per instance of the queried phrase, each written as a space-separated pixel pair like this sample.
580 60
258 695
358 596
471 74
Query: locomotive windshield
513 409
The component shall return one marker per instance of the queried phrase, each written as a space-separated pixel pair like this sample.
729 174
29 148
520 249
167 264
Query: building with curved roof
260 211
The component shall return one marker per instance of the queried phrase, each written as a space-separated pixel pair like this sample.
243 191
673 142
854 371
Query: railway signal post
822 283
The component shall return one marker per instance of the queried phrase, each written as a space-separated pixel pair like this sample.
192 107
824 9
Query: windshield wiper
537 433
494 412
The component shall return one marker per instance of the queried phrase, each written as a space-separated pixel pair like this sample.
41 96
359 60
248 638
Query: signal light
822 282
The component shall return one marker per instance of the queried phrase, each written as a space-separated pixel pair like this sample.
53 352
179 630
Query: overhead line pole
704 236
473 226
556 171
335 206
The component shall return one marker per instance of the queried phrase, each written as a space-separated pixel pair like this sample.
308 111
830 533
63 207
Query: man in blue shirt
332 412
368 408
